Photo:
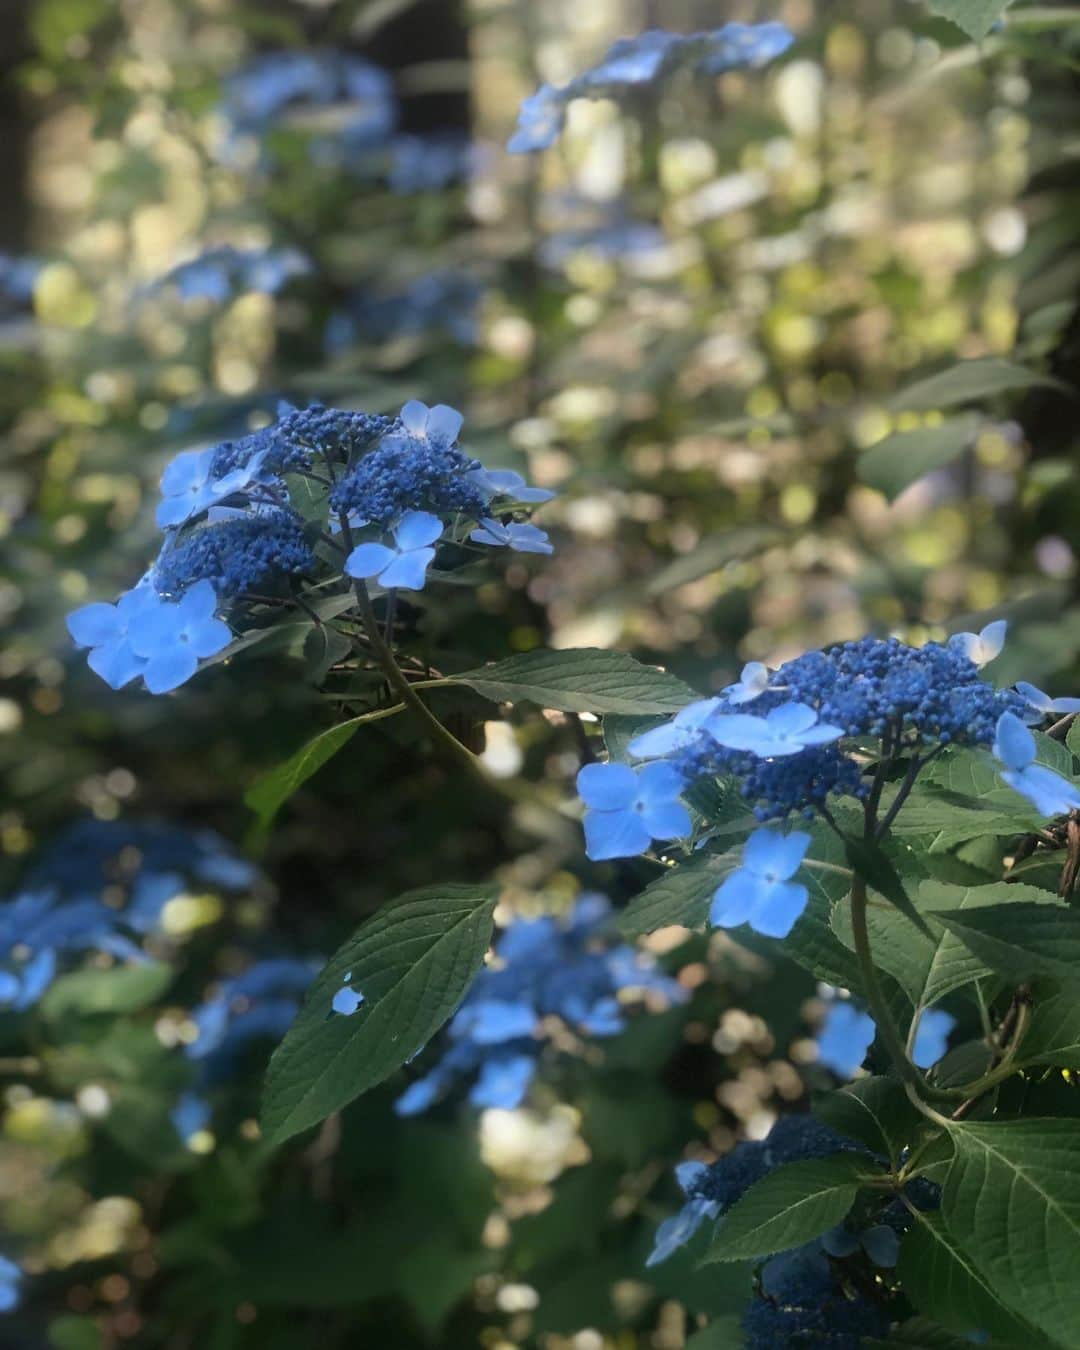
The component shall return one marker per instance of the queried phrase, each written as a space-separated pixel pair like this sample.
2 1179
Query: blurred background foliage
694 320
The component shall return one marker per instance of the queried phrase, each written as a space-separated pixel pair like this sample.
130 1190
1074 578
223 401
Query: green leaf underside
1012 1202
901 459
413 962
1021 939
929 967
270 792
943 1282
587 679
790 1206
975 17
969 381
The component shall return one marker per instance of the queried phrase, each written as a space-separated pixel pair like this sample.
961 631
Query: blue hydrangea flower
981 648
247 551
786 730
258 1004
192 483
1043 703
405 565
629 808
745 44
541 119
751 684
221 273
677 1231
503 1082
440 424
845 1037
802 1300
106 630
347 999
760 892
1048 792
172 637
521 538
10 1285
508 485
22 986
932 1037
683 730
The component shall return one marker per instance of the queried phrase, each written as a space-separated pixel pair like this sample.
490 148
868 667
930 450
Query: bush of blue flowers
436 978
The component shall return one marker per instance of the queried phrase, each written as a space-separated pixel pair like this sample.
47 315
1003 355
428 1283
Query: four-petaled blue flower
752 682
347 999
683 730
521 538
440 423
760 892
846 1035
932 1037
1043 703
404 566
106 628
784 731
1048 792
506 483
981 648
629 808
173 635
188 486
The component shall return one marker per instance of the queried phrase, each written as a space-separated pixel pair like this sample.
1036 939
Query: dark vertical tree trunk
14 129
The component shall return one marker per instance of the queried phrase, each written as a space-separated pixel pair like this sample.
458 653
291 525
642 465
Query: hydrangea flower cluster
639 62
220 274
802 1301
781 737
102 887
547 968
378 495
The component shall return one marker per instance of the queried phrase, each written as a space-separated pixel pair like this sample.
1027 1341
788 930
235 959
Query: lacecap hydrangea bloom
792 740
570 969
103 887
639 62
324 498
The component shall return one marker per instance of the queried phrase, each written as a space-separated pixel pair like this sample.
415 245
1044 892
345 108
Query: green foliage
897 461
586 680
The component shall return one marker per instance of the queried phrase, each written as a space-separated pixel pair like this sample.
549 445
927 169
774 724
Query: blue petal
735 899
607 787
169 669
417 529
207 637
503 1082
368 560
771 851
615 834
845 1037
677 1231
659 783
188 470
778 912
790 719
444 423
1014 744
667 820
882 1245
414 417
931 1038
116 663
198 603
408 571
418 1096
94 624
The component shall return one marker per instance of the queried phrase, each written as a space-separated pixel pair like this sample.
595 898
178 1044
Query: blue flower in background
751 684
520 537
429 163
745 44
980 648
10 1285
677 1231
785 731
505 483
545 969
258 1004
541 118
220 274
405 565
845 1037
172 637
1043 703
1048 792
760 892
932 1037
106 630
629 808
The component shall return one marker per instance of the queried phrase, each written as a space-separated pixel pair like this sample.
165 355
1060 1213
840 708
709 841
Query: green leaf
123 990
876 868
681 895
899 460
793 1204
919 1333
943 1282
587 679
413 962
75 1333
970 381
874 1111
1021 939
930 965
711 554
1072 737
725 1333
1012 1203
1053 1034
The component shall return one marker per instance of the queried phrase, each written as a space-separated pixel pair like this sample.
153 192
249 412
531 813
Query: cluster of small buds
102 887
236 537
641 62
547 968
802 1301
781 737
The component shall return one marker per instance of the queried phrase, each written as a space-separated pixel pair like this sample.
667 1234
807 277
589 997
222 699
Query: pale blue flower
521 538
683 730
405 565
105 629
932 1037
188 486
490 1021
784 731
173 635
745 44
506 483
845 1037
1043 703
753 682
1048 792
441 423
540 120
981 648
760 892
629 808
503 1082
